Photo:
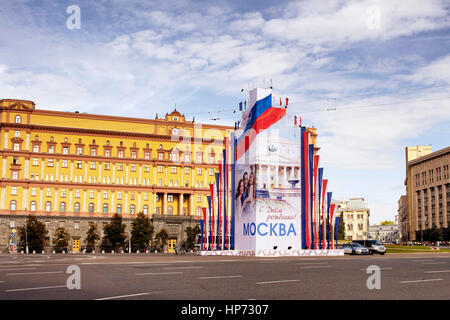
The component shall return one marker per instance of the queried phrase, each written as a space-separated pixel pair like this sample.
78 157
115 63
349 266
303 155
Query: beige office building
355 214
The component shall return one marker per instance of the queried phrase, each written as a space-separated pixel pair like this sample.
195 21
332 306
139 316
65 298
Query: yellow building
73 168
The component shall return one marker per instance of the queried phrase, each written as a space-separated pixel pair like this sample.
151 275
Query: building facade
71 168
402 218
384 233
428 192
355 215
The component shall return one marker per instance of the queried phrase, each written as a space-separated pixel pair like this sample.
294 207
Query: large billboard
267 189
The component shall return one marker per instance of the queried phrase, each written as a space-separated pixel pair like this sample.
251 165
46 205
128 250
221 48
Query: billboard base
275 253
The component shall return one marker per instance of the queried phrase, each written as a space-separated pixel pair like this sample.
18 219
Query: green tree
161 238
35 234
141 232
387 223
434 234
61 240
92 235
341 230
114 232
191 235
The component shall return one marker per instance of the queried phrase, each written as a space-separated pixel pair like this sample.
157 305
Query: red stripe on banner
316 165
227 168
307 198
268 118
211 188
324 191
204 228
219 201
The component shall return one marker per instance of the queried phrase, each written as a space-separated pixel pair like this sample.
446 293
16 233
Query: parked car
374 246
354 248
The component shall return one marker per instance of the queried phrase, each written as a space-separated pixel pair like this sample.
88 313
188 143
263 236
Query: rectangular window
50 162
174 169
133 168
160 169
51 149
170 198
91 194
105 195
17 134
199 198
187 170
145 196
92 164
36 148
35 162
107 153
93 152
49 192
120 154
14 191
146 168
160 156
79 151
16 147
131 195
119 195
133 155
12 223
211 172
66 150
147 156
199 171
76 225
15 175
65 163
33 192
120 167
63 193
77 193
79 165
107 165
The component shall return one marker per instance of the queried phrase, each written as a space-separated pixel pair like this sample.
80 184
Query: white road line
313 267
37 288
175 268
380 269
156 273
279 281
152 265
219 277
421 260
437 271
17 269
434 263
127 296
30 273
413 281
310 263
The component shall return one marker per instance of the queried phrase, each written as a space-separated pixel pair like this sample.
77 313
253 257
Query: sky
373 76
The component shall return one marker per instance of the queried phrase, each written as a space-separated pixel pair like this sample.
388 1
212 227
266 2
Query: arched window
91 207
13 205
62 207
48 206
170 211
18 119
105 208
132 208
33 206
119 208
145 209
76 207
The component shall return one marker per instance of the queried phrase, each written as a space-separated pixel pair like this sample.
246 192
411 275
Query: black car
374 246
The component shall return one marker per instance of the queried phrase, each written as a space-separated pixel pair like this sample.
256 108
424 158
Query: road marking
219 277
310 263
421 260
413 281
29 273
175 268
279 281
434 263
17 269
156 273
312 267
437 271
37 288
127 296
380 269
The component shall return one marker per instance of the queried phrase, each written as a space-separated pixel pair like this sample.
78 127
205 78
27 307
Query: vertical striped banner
336 230
316 201
220 206
324 214
233 190
328 218
303 189
332 217
319 208
227 194
217 201
311 193
204 230
210 217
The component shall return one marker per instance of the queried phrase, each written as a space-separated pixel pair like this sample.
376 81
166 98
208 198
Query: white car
354 248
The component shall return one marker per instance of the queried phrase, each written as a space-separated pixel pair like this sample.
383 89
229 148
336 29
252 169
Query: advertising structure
267 176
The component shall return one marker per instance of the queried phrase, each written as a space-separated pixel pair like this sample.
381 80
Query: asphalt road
169 277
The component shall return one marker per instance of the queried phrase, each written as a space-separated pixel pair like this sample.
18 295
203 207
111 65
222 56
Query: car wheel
353 252
370 252
382 253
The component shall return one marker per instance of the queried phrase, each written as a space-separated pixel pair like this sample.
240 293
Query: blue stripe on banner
224 177
338 220
320 207
208 198
329 194
303 195
216 217
201 234
233 150
311 189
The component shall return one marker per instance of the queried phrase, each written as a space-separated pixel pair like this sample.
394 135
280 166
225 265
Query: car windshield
356 245
376 242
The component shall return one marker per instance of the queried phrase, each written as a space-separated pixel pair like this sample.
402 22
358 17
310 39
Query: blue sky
382 65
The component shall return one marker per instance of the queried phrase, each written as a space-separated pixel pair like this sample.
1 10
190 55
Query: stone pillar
444 205
430 217
285 180
436 206
165 204
269 178
277 180
180 204
191 204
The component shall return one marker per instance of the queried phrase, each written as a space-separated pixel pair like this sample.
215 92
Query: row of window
422 178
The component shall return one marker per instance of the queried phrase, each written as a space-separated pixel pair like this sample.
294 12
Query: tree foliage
191 235
434 234
114 232
341 230
92 235
141 232
61 239
387 223
161 238
35 234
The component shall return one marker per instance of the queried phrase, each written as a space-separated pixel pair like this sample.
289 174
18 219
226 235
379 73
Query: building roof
429 156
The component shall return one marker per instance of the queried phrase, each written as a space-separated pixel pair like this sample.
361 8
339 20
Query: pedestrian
183 248
176 248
